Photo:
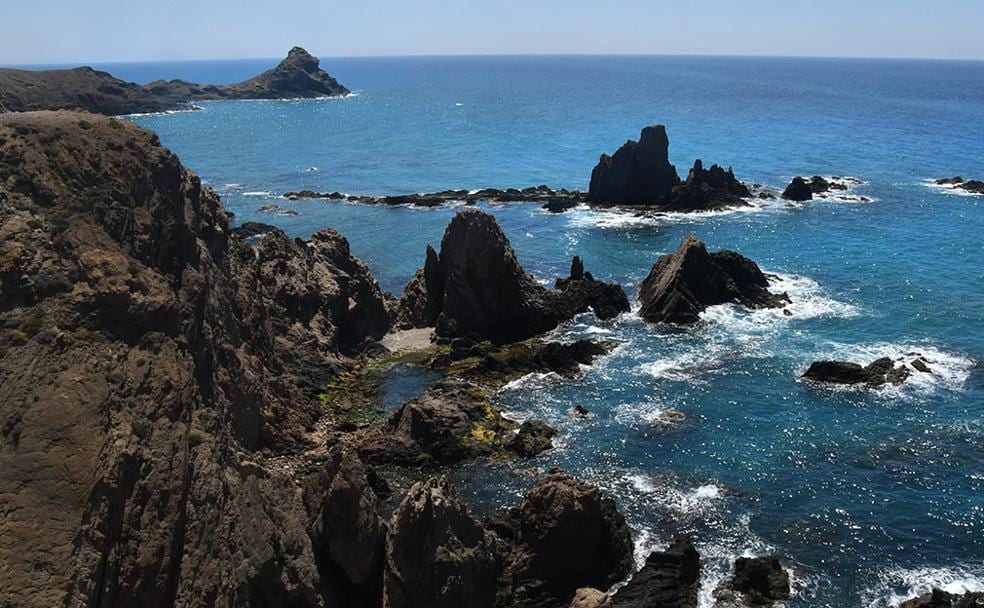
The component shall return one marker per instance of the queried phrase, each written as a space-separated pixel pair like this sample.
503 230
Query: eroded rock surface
683 284
669 579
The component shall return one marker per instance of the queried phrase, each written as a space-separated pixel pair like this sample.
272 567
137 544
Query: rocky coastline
189 413
298 76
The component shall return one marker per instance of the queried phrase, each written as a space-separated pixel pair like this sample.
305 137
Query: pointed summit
299 75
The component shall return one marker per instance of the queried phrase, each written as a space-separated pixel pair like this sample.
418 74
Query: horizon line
88 63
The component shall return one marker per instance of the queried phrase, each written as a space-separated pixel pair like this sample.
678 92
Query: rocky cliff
298 76
152 370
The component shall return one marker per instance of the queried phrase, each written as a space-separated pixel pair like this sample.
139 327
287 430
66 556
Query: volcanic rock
437 555
762 581
708 189
477 287
565 535
638 173
973 186
876 373
682 284
949 181
580 292
798 190
669 579
938 598
532 438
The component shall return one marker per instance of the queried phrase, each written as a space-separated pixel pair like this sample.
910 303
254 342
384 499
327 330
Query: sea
868 496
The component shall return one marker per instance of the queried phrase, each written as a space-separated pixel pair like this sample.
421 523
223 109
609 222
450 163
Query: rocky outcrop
878 372
477 288
553 200
565 535
669 579
581 292
798 190
801 189
159 377
684 283
495 366
297 76
938 598
640 174
450 423
437 555
760 581
586 597
972 186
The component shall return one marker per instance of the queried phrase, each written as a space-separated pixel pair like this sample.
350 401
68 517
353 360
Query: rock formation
801 189
878 372
761 581
475 286
972 186
297 76
152 370
938 598
669 579
565 535
684 283
640 174
437 555
581 292
552 200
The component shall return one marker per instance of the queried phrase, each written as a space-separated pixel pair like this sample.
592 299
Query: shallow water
866 494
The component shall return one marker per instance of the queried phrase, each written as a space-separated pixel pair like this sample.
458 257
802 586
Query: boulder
973 186
798 190
762 581
532 438
938 598
876 373
949 181
437 555
684 283
476 287
565 535
669 579
580 292
639 173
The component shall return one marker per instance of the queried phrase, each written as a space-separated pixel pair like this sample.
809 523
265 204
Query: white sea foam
259 193
897 585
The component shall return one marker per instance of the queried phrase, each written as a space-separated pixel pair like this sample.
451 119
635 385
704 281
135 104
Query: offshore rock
938 598
581 292
640 174
876 373
684 283
798 190
476 287
761 581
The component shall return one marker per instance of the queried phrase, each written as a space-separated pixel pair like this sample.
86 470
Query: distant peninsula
298 76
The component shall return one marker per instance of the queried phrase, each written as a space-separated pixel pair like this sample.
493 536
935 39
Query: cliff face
298 76
152 367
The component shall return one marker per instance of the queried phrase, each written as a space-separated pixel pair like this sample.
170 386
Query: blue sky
75 31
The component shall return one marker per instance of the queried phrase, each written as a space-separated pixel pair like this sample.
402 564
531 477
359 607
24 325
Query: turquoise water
863 494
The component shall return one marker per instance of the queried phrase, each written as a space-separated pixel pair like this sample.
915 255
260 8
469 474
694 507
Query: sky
81 31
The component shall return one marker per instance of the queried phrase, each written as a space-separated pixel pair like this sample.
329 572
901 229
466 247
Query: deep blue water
863 493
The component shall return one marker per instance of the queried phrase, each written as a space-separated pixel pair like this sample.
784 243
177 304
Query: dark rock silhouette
477 287
798 190
669 579
580 292
640 174
555 201
876 373
684 283
761 581
297 76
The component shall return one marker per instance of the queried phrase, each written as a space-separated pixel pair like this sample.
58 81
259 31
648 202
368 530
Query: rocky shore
552 200
189 417
298 76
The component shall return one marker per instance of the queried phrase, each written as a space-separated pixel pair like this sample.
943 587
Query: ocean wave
584 216
897 585
260 194
650 414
